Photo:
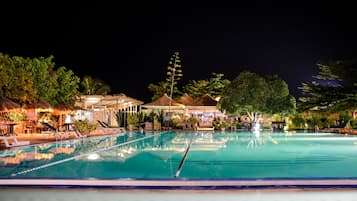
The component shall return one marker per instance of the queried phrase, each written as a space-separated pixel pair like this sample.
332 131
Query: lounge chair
14 142
77 132
107 125
101 124
52 128
55 130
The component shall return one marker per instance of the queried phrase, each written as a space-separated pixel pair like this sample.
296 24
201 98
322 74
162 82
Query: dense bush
298 122
84 126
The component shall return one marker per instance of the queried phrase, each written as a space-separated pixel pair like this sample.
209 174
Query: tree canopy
26 80
91 86
253 94
214 86
333 89
159 89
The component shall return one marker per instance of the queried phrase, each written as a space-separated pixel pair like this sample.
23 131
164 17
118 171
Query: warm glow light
92 100
93 156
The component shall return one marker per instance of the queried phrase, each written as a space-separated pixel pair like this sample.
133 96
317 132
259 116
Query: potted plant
132 121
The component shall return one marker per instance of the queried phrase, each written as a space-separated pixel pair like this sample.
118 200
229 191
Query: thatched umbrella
34 108
62 109
7 105
39 106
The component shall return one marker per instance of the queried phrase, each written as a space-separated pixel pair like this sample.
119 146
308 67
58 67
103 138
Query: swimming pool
188 155
188 159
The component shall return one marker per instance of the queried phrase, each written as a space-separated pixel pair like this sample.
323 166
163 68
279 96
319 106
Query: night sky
128 45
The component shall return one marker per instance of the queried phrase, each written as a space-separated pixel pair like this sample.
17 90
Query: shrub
84 126
16 116
193 120
239 125
132 119
298 121
219 123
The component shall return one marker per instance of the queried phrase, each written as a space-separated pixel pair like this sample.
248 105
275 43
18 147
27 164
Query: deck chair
121 129
101 124
57 133
107 125
49 126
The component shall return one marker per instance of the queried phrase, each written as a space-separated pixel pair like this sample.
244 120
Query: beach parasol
39 106
63 108
7 105
34 108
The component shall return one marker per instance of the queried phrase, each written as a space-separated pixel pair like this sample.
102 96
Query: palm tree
91 86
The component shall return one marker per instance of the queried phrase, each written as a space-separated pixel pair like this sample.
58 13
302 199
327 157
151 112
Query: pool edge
183 184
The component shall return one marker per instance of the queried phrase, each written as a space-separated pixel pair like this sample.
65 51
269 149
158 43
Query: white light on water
93 156
256 127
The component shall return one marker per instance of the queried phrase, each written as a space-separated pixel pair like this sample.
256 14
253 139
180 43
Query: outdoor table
10 127
67 125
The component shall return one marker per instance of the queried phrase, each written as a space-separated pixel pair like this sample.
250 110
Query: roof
186 99
163 101
106 101
205 100
40 106
8 105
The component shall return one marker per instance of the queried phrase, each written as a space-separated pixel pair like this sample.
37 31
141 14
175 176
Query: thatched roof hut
39 106
7 105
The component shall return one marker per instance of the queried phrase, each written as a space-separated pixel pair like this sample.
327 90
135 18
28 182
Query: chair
107 125
101 124
29 127
55 130
52 128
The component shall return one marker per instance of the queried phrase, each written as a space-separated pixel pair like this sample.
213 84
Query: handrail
178 171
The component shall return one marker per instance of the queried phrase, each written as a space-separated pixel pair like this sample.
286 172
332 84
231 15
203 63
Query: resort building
104 107
204 108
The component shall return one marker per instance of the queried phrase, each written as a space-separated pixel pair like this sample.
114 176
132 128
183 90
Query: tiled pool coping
70 190
183 184
178 190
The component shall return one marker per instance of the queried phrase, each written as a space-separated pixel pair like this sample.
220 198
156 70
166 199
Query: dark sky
128 45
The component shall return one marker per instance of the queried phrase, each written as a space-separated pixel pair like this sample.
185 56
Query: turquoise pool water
188 155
